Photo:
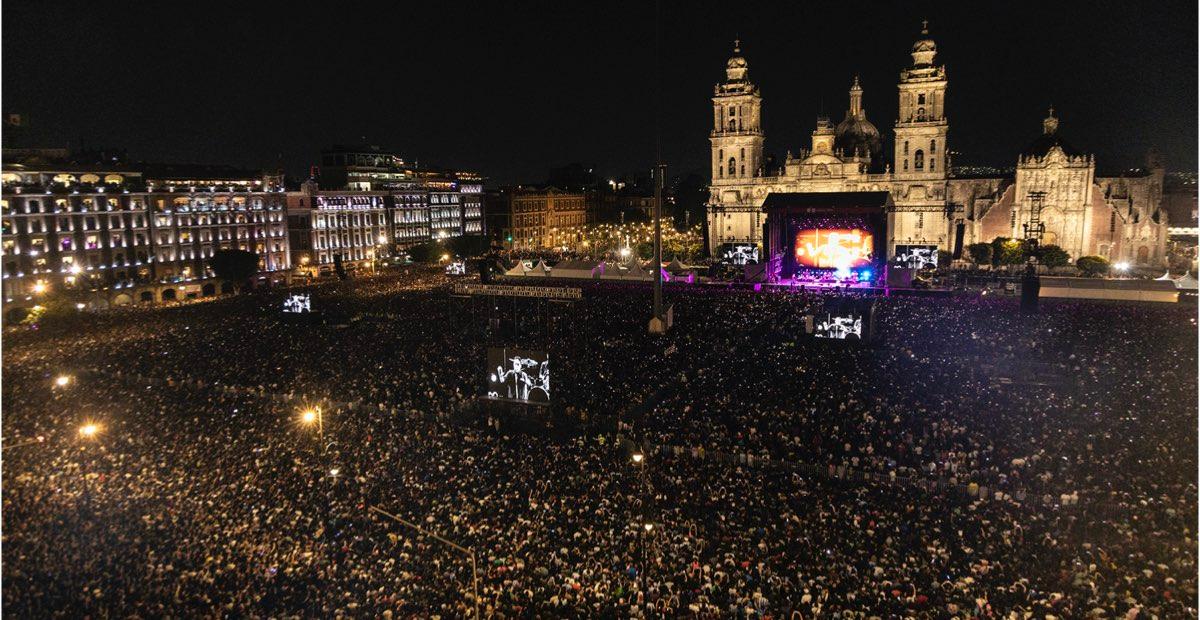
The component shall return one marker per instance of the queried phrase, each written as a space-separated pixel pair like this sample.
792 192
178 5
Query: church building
1054 189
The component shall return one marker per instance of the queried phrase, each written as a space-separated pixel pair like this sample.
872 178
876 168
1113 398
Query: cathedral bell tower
736 137
922 127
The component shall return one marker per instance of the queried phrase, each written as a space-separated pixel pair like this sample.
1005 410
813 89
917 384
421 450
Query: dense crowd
1008 465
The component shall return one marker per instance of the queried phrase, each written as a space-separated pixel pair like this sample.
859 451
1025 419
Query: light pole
88 432
314 415
461 549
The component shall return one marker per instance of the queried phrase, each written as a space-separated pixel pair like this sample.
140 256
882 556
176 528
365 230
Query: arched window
932 147
906 147
906 165
732 166
921 99
732 111
732 124
919 160
920 114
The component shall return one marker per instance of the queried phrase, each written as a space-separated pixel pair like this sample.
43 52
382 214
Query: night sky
513 88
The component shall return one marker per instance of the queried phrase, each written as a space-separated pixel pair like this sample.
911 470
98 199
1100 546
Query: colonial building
115 232
1053 191
542 218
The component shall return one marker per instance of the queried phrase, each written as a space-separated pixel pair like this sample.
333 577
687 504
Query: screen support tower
1035 228
661 319
1031 283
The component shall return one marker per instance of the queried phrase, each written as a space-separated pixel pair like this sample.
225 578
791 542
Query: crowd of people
1008 465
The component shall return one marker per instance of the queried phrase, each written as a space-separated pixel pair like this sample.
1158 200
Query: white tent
580 269
518 269
540 269
1165 276
1187 282
676 267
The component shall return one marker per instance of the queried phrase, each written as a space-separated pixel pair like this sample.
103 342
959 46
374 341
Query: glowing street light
1122 266
637 457
76 269
89 430
649 527
333 473
62 380
39 287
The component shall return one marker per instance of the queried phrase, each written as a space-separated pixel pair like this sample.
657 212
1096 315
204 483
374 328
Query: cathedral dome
858 136
1050 139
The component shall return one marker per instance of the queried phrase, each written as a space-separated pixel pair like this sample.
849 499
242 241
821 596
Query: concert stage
834 239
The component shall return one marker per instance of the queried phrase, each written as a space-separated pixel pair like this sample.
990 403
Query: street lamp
467 551
39 287
309 416
62 380
89 430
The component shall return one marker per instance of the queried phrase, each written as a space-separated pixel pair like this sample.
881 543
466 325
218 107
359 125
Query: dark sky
513 88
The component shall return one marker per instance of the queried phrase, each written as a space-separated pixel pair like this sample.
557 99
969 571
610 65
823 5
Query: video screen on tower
843 327
916 256
518 374
739 253
298 303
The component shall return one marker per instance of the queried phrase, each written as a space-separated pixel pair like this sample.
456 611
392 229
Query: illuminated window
65 179
113 179
89 178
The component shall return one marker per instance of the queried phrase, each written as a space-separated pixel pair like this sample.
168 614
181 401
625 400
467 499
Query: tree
428 252
468 246
1092 265
234 266
980 253
944 259
1053 256
1007 251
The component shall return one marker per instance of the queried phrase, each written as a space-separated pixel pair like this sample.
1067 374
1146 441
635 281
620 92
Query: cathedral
1054 188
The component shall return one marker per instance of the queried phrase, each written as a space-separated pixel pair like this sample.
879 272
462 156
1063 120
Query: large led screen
917 256
834 248
739 253
847 327
518 374
296 304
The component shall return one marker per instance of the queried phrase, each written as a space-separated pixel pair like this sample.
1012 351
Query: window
919 160
932 147
920 114
921 99
906 147
732 166
732 111
1112 222
906 165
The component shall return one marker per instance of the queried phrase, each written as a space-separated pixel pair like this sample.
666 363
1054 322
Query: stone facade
1120 218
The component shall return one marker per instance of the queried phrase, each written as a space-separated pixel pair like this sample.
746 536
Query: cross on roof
925 26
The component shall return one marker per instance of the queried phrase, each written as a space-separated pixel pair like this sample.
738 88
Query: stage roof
827 200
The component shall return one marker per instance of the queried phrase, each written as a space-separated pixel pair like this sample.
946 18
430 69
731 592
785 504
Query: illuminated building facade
115 236
543 218
1118 217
